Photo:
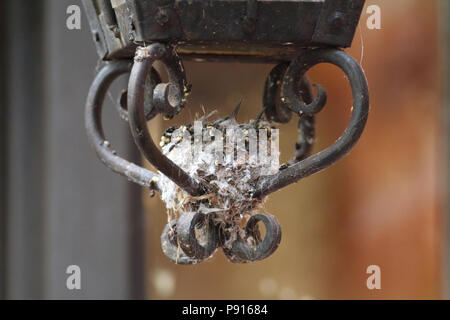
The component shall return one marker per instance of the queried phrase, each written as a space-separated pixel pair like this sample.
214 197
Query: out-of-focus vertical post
24 154
3 146
59 206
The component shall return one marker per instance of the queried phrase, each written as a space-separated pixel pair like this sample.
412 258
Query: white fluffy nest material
229 184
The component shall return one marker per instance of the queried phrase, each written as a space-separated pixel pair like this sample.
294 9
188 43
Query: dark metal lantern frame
131 35
220 29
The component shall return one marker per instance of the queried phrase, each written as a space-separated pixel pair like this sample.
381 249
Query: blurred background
384 204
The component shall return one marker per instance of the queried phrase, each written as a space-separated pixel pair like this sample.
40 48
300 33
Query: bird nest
222 156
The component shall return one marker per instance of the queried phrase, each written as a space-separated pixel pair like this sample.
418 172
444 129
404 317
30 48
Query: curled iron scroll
189 226
287 91
276 111
171 248
182 244
94 128
145 57
346 141
252 247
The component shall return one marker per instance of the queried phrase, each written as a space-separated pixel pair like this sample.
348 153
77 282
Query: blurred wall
380 205
56 207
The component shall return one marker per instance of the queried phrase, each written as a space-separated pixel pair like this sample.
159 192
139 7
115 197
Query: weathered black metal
276 111
243 251
264 30
145 57
346 141
152 81
187 225
181 245
94 128
306 138
297 35
170 247
271 99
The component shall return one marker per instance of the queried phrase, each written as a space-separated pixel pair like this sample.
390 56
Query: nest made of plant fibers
229 184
